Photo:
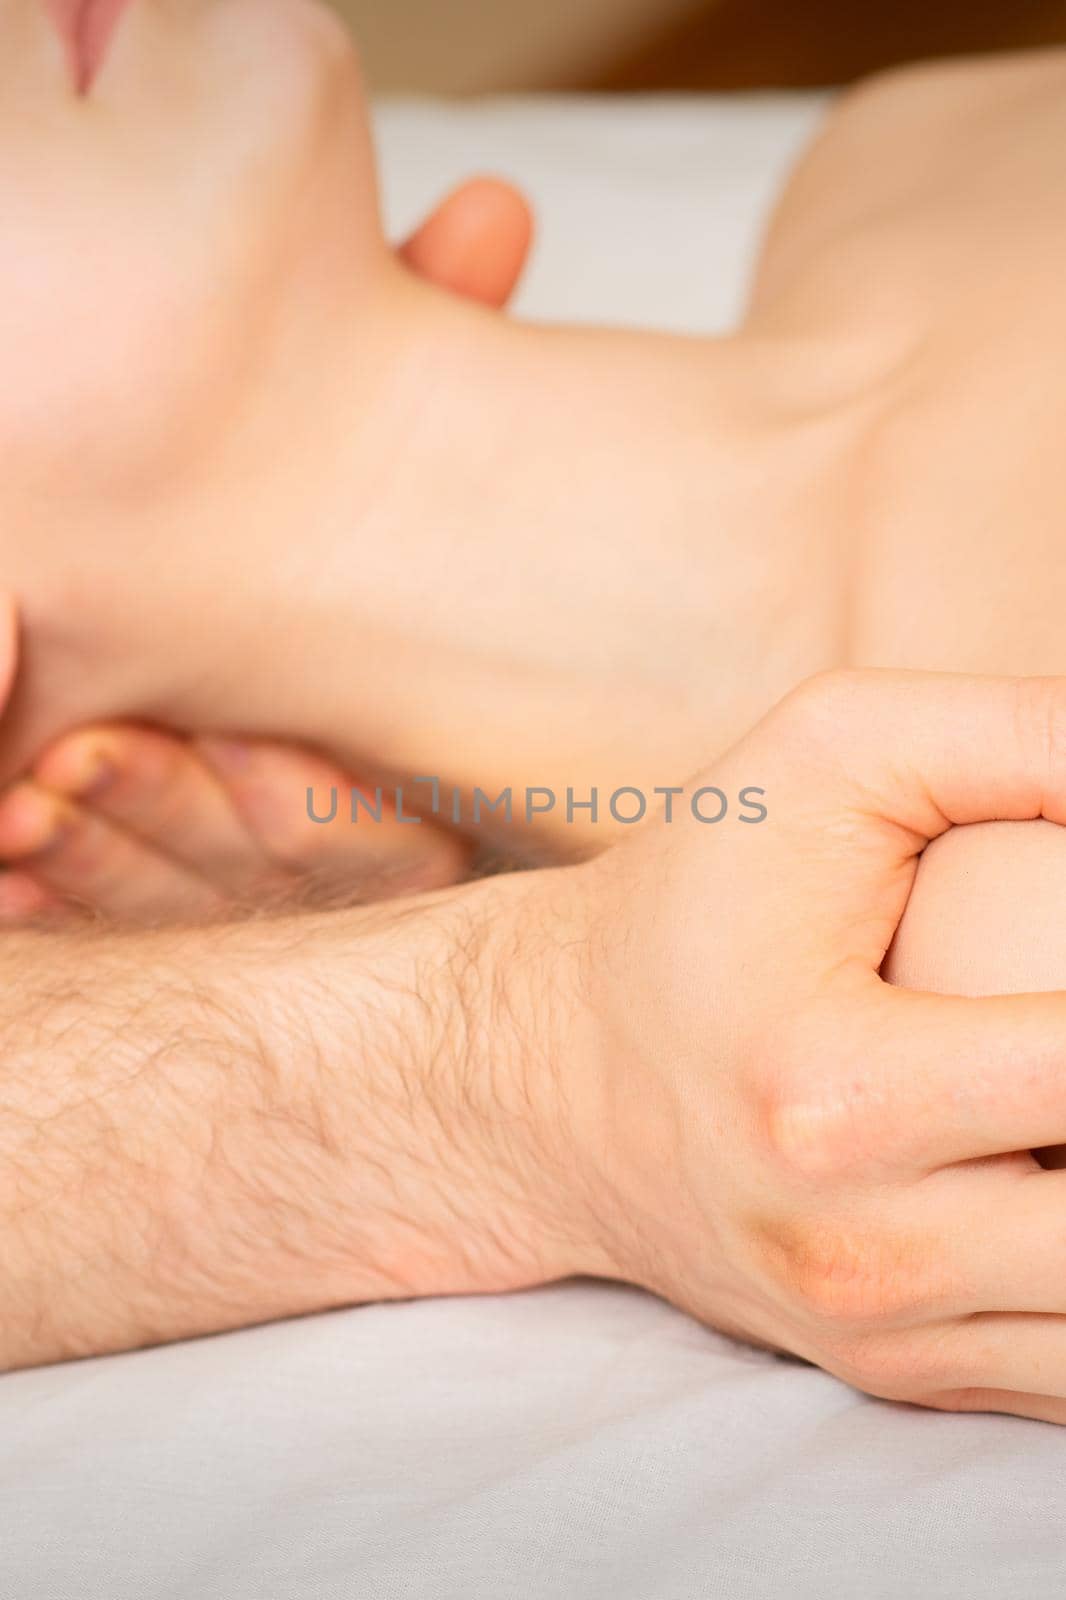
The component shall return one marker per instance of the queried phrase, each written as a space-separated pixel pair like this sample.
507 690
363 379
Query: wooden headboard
733 44
478 46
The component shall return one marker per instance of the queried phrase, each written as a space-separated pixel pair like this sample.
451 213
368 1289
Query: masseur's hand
134 825
782 1143
675 1065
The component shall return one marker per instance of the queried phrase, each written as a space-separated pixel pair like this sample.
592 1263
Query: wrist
466 1010
536 1054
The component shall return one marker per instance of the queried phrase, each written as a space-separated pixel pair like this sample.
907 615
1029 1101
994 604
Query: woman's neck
539 569
447 528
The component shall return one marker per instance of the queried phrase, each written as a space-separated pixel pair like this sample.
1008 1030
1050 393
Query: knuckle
808 1137
818 704
820 1098
842 1281
846 1280
812 1116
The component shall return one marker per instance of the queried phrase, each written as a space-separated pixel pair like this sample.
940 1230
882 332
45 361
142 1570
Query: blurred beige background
476 46
471 45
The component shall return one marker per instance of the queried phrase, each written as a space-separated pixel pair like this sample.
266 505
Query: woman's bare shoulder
903 147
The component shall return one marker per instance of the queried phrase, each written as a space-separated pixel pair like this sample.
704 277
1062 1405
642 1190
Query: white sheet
649 207
584 1442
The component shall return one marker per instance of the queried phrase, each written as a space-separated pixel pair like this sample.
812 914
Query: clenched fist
775 1138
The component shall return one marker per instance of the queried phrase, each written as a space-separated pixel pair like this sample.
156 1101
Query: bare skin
675 1064
136 825
458 501
808 493
873 387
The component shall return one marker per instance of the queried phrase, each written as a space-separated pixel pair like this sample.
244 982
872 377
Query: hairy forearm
207 1128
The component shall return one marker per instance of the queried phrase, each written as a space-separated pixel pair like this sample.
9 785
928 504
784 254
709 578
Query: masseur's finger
237 814
1008 1352
157 789
1009 1258
949 1078
476 242
923 750
1037 1407
860 771
67 852
281 791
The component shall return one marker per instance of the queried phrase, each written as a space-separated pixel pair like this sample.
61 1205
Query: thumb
476 243
862 769
920 751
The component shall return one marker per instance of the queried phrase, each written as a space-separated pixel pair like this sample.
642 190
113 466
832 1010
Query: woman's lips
86 28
